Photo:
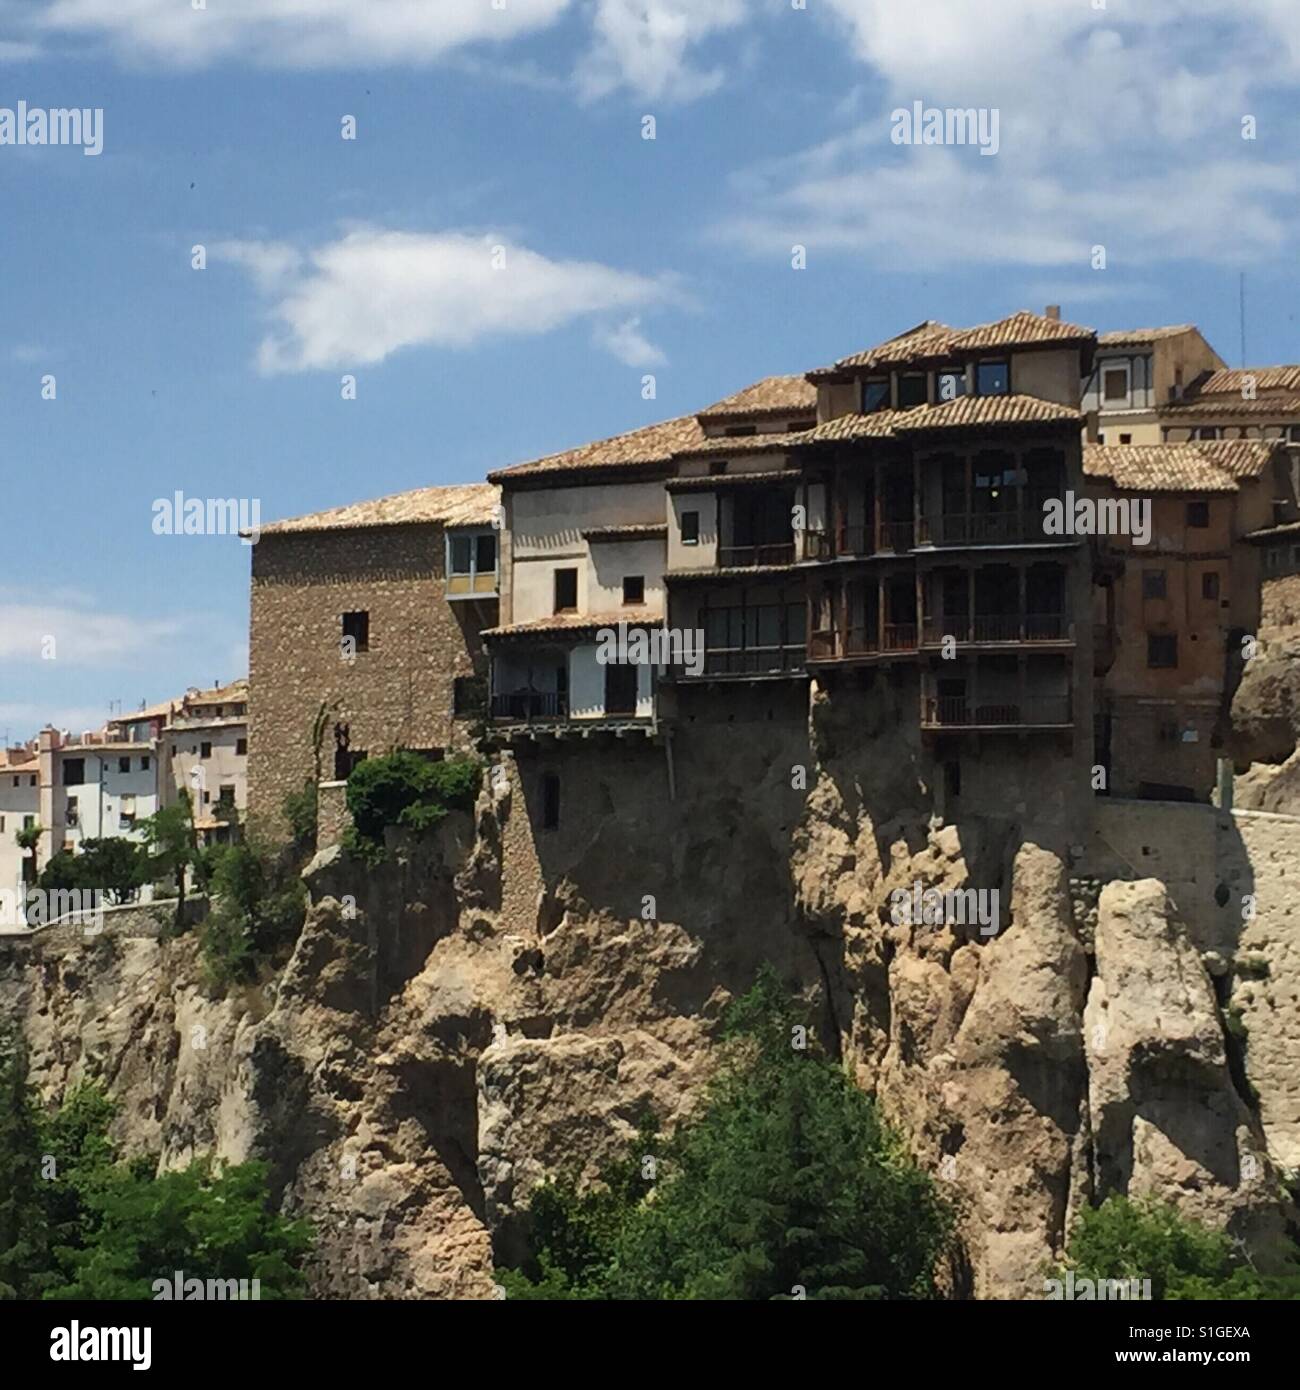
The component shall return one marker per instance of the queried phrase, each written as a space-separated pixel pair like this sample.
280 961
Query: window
468 696
144 764
28 822
74 771
205 750
633 588
566 591
1153 583
1126 439
717 467
1210 584
950 383
471 563
735 431
1293 434
1198 514
226 795
1114 385
912 390
70 811
1162 650
2 825
241 747
356 631
620 688
875 394
690 528
1207 432
1101 438
795 426
31 781
124 764
993 379
550 801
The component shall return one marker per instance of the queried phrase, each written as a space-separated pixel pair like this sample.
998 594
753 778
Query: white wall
692 557
609 561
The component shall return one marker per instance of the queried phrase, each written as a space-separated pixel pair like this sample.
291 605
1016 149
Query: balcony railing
896 538
525 706
861 641
749 661
958 711
749 556
998 628
982 528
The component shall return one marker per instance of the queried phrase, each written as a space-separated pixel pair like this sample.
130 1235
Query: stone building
365 635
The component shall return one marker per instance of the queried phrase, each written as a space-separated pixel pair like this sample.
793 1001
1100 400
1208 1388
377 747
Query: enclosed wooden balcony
945 712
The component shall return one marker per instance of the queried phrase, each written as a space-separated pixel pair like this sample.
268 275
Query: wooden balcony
894 538
958 712
751 556
982 528
736 663
894 639
999 629
529 706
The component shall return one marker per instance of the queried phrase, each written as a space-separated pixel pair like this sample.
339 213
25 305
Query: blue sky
519 124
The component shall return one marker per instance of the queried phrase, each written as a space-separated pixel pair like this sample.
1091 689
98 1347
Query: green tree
173 850
205 1222
406 789
28 837
1143 1238
24 1226
258 909
115 867
787 1180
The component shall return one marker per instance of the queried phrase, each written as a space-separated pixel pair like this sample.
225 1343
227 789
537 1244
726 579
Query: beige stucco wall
1050 376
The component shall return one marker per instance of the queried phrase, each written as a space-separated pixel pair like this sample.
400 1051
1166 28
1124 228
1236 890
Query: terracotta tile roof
1268 533
465 504
573 623
971 412
705 482
932 341
163 710
720 446
1141 337
1231 380
652 444
221 695
1201 467
1281 408
626 533
964 413
774 395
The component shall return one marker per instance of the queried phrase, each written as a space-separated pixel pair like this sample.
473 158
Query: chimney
1053 311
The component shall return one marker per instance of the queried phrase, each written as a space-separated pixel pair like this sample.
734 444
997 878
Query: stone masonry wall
399 693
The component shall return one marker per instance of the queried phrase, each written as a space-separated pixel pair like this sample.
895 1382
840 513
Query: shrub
406 789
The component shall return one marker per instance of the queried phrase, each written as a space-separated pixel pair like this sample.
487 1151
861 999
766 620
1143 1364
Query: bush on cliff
77 1221
1143 1238
258 905
406 789
785 1185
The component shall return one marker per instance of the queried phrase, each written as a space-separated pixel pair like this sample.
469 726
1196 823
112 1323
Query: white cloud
629 345
82 635
297 33
645 45
356 300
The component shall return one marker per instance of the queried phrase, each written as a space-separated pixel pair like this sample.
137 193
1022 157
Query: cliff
498 1002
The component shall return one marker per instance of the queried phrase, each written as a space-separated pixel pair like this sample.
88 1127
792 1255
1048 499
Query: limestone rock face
1166 1117
496 1004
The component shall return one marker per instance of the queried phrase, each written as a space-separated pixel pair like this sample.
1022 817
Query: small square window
1114 384
690 528
356 631
144 763
993 379
1210 584
241 747
566 591
633 589
205 750
1153 583
912 390
1126 439
875 395
1162 650
1198 514
717 467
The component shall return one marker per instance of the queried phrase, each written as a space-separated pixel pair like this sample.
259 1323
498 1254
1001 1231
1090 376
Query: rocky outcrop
493 1006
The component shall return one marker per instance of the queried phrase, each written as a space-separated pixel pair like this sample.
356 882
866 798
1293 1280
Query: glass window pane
485 557
461 549
992 379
